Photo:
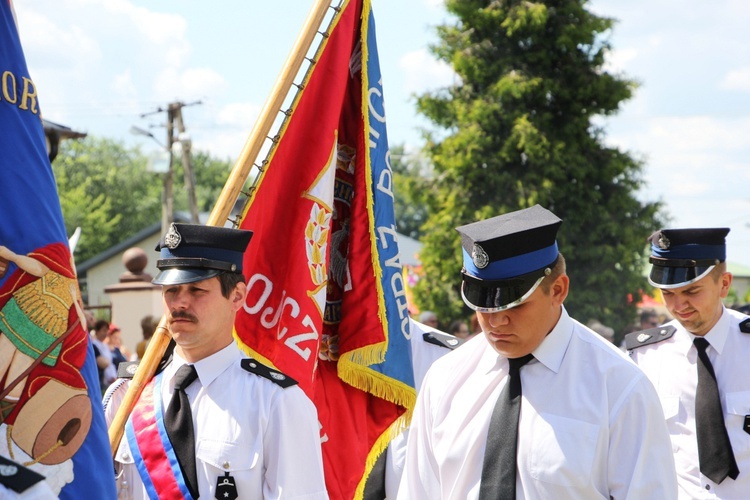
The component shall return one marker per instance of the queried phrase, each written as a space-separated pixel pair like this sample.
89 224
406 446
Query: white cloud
699 167
124 86
238 114
736 79
617 60
422 71
187 83
48 43
699 133
222 145
223 129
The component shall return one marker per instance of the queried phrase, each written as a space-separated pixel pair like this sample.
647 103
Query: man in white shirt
589 423
213 423
707 410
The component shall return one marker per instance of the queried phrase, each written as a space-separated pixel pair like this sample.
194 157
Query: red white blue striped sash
153 454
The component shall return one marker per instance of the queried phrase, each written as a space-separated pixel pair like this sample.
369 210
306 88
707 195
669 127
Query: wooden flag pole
221 211
250 151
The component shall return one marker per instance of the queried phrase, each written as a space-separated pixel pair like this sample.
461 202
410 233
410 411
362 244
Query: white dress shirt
265 436
671 366
590 425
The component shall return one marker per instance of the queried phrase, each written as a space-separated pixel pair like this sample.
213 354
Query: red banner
326 303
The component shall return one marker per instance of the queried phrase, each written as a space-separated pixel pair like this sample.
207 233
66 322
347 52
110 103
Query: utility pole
174 120
167 198
187 165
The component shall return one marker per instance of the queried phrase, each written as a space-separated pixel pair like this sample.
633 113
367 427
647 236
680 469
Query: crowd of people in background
109 349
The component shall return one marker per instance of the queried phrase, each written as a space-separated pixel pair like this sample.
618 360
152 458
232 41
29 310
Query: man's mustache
183 315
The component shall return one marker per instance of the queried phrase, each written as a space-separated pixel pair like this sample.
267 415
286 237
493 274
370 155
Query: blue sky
99 64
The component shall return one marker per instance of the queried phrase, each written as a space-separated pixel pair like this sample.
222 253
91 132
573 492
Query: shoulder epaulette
442 339
745 326
274 376
648 337
127 369
16 477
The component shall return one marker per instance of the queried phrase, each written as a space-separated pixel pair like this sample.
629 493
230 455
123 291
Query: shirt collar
208 368
550 352
717 336
552 349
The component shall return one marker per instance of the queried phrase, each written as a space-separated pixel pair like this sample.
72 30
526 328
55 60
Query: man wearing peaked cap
190 253
699 363
506 257
212 423
539 406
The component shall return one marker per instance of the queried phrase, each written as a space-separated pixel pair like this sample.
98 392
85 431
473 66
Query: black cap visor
498 295
676 273
181 276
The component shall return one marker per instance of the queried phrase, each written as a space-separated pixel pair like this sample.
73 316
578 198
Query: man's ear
726 282
559 289
237 296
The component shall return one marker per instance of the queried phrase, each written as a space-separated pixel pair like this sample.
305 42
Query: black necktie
714 449
499 467
179 423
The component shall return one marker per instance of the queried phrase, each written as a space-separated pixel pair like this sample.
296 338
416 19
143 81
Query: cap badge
172 239
663 242
479 256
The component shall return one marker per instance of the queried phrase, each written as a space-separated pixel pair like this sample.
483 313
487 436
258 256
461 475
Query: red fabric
151 446
297 253
56 257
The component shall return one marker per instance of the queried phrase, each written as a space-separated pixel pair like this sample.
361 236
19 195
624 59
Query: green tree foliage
516 129
209 174
106 189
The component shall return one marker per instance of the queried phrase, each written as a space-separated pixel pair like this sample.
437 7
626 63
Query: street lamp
161 163
140 131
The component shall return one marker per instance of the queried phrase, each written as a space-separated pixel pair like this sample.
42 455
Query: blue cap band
513 266
692 251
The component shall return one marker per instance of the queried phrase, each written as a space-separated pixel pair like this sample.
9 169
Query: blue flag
397 364
51 417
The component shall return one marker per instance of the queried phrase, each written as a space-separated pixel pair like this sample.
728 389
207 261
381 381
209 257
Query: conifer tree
517 128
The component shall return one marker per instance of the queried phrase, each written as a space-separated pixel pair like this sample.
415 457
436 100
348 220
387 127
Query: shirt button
708 486
225 465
